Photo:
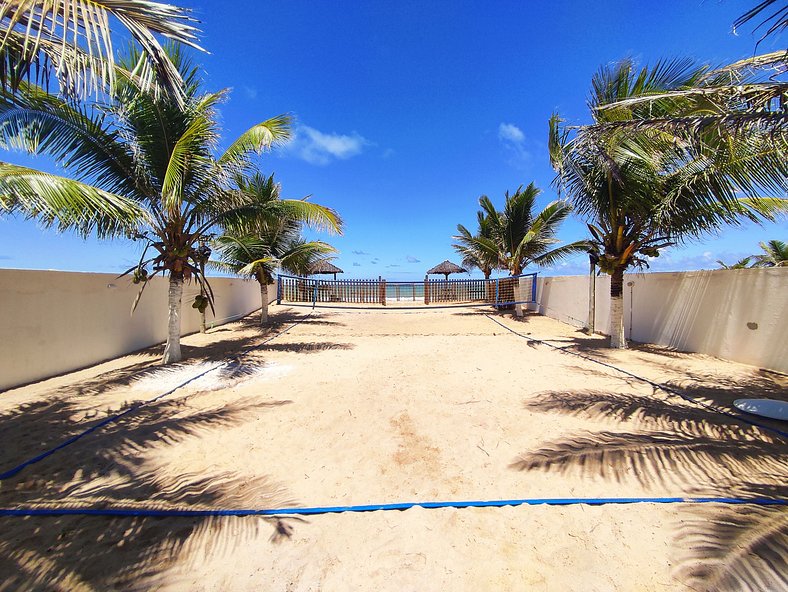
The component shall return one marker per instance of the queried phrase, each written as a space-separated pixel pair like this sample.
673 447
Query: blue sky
408 111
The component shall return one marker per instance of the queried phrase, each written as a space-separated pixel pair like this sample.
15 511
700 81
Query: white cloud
508 132
513 140
249 92
320 148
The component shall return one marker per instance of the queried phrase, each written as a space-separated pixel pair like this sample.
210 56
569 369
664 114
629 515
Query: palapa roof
324 266
447 267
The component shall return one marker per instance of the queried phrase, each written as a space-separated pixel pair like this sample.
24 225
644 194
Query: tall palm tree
775 254
516 237
257 247
72 38
146 152
647 175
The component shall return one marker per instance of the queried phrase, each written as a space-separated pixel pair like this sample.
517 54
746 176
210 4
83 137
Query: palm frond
299 256
32 30
776 21
262 136
81 140
68 204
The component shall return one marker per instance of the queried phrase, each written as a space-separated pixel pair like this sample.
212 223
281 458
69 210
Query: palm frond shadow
741 548
108 469
671 443
229 349
307 347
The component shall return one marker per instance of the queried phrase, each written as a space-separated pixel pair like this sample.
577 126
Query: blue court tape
184 513
132 409
662 387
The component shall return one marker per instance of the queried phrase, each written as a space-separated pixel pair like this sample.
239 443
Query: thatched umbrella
446 268
324 267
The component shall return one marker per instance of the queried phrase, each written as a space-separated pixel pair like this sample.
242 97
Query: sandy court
361 407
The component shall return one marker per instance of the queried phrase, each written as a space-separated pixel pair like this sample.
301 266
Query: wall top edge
101 274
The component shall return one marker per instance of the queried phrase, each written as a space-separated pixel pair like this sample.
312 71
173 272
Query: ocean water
409 291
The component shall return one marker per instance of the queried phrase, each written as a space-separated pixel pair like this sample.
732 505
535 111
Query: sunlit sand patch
210 375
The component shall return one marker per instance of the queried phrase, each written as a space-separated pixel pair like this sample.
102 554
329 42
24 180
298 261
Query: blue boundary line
17 469
662 387
307 511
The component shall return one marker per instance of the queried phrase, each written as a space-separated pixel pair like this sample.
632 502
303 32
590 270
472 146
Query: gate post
279 289
314 296
382 290
426 290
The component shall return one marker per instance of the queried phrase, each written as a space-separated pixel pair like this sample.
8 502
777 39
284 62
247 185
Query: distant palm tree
516 237
740 264
72 38
258 246
648 175
143 153
775 254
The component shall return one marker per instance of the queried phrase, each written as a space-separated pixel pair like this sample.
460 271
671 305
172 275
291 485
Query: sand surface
363 407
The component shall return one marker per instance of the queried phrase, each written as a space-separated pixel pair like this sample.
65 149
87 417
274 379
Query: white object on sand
770 408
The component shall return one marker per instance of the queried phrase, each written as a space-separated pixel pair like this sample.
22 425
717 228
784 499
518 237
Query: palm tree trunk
264 307
172 351
202 321
518 308
489 291
592 299
617 339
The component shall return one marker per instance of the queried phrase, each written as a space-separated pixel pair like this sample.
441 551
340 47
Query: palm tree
775 254
516 237
257 247
75 40
468 246
140 149
649 175
740 264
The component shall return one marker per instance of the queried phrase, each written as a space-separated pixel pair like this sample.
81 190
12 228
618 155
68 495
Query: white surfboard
770 408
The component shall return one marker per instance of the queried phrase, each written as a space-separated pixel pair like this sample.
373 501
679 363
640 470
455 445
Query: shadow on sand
677 444
118 466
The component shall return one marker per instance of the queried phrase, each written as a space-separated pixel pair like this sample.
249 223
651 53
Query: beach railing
499 292
299 289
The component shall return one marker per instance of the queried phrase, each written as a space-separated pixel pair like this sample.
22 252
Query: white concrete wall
739 314
53 322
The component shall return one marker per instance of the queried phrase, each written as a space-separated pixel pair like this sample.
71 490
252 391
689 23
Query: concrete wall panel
53 322
740 314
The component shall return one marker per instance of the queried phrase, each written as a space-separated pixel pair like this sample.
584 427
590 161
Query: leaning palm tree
775 254
258 246
518 238
644 186
146 152
73 39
